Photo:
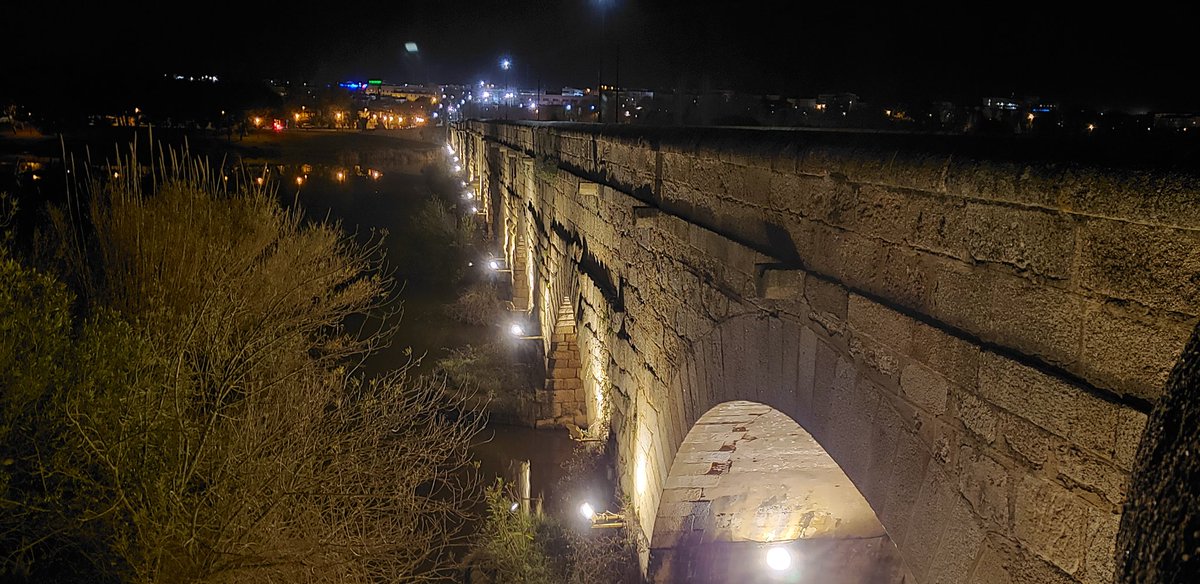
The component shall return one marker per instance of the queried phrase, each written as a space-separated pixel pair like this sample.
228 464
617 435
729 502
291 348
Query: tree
234 439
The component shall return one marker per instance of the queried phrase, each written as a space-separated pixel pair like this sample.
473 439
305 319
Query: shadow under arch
747 482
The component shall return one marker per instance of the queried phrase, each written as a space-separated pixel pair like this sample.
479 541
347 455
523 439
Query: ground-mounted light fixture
497 266
517 330
601 520
778 558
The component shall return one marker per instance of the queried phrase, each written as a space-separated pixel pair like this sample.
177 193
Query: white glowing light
778 559
457 168
495 265
518 331
474 209
514 506
587 511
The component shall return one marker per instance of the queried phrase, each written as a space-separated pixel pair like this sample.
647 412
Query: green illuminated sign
374 82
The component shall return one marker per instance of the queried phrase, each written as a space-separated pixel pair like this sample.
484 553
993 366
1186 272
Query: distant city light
568 108
410 47
506 64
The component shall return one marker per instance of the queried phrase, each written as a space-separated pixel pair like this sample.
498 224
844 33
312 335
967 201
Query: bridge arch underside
747 480
967 491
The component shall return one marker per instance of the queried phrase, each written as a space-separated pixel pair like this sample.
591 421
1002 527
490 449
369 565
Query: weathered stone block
985 484
1092 474
954 358
885 325
877 359
904 481
1102 553
1040 241
976 415
1011 311
960 543
1156 266
781 283
1129 354
825 296
991 567
1027 441
1052 522
926 389
1049 403
1130 425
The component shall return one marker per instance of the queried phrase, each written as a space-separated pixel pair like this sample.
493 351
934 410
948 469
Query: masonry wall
973 336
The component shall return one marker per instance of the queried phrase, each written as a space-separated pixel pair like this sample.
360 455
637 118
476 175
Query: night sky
1141 58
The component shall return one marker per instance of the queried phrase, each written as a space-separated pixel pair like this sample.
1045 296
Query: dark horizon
1105 61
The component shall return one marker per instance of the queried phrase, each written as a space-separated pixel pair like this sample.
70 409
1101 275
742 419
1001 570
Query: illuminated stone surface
974 333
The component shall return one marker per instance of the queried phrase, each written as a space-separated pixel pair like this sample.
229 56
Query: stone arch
748 479
911 468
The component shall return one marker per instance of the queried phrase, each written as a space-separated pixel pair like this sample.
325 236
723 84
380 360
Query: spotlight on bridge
517 330
779 559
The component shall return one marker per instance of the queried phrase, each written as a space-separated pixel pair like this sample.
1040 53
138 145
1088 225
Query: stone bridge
963 335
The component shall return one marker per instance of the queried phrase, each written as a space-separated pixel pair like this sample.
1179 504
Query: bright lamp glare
514 506
778 559
495 265
586 510
519 331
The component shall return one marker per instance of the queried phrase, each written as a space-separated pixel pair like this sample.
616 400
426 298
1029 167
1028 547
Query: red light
277 126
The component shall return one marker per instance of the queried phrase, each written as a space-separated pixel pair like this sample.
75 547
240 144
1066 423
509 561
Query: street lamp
506 65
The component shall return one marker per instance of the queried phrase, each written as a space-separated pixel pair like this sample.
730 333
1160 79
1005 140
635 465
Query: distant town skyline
1131 62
